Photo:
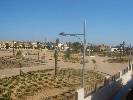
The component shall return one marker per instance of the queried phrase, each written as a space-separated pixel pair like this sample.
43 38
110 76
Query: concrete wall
126 77
108 91
80 94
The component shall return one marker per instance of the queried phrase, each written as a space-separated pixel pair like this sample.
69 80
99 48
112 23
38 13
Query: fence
109 86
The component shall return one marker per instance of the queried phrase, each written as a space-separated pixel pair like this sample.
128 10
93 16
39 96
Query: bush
94 61
19 54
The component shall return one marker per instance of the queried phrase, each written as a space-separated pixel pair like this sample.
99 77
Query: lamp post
65 34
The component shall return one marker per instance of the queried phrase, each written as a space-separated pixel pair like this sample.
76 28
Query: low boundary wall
111 86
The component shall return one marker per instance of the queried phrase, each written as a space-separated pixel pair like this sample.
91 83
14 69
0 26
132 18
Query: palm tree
56 55
39 47
122 49
13 49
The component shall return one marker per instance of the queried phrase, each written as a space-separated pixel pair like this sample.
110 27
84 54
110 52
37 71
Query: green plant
19 54
94 62
6 96
67 54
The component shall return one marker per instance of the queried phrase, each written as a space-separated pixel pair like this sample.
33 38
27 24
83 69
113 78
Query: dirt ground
101 64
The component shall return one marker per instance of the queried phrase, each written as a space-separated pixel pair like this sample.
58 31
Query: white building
112 49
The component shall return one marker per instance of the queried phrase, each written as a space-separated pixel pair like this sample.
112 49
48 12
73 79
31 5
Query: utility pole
82 83
84 44
38 47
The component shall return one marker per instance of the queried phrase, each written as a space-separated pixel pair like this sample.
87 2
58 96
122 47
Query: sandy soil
101 64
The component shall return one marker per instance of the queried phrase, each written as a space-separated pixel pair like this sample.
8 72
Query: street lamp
65 34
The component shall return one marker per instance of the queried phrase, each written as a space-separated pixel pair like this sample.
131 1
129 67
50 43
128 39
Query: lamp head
62 33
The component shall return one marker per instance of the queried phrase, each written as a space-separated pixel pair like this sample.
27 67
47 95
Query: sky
107 21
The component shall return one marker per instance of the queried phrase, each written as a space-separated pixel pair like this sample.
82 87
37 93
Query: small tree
67 54
19 54
16 45
56 55
56 59
13 49
6 96
7 45
123 47
94 62
38 47
21 72
23 46
76 46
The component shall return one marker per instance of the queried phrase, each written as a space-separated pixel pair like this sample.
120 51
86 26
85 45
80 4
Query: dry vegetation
31 83
10 62
118 60
13 62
